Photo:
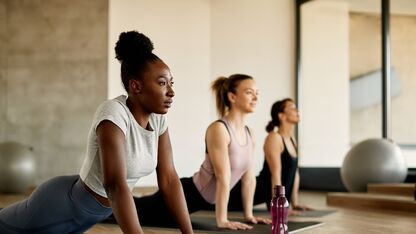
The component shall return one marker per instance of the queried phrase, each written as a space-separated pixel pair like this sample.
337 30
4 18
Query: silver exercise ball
17 167
373 161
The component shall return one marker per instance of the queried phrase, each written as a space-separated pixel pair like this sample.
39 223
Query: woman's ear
281 116
231 97
135 86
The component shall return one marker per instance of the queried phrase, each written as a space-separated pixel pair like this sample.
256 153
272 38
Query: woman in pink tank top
229 153
228 160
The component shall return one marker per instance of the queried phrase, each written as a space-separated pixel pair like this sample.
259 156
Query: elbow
223 181
167 182
111 187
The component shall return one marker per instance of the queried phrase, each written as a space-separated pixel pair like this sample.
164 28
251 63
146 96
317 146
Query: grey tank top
241 159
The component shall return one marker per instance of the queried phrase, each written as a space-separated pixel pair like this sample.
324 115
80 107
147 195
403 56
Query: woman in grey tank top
127 140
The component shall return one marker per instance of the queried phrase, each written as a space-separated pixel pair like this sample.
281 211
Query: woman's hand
234 225
301 207
255 220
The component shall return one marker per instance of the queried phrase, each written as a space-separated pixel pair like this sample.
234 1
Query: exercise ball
17 167
373 161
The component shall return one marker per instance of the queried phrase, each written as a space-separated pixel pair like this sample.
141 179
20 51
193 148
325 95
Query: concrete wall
208 38
53 74
3 65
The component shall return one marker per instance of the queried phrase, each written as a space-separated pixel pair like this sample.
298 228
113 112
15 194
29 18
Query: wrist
222 221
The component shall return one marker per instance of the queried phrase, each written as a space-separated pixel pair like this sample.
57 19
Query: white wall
180 32
257 38
324 129
200 40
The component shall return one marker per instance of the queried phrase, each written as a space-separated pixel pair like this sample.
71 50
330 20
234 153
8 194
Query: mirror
340 82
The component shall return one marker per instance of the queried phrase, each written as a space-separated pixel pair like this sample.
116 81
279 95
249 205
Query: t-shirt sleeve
114 112
163 125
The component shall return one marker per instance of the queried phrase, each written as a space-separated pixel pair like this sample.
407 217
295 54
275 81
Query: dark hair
221 86
277 107
134 51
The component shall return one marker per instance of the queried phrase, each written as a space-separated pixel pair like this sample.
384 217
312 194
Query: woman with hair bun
281 159
228 159
281 162
127 140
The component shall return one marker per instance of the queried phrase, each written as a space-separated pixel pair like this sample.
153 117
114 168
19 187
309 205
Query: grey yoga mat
306 214
208 224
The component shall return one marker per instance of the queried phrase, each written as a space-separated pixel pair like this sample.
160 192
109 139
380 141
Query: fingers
266 221
263 220
294 212
233 225
240 226
299 208
256 220
302 208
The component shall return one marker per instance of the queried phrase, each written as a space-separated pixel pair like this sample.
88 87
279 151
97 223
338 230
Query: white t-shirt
141 144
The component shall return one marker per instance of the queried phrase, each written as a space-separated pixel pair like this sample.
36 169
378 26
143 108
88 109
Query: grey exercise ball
17 167
373 161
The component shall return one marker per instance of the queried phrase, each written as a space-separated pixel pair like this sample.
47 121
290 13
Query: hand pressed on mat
256 220
234 225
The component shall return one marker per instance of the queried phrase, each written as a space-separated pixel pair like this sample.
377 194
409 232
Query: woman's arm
170 185
295 190
248 186
273 147
111 145
217 138
295 195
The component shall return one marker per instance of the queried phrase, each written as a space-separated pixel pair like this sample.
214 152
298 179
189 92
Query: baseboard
329 178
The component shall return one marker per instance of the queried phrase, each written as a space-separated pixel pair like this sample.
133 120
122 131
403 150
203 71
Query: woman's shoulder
113 106
274 136
218 128
217 124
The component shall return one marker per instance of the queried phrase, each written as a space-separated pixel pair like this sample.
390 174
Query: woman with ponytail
228 159
128 138
281 161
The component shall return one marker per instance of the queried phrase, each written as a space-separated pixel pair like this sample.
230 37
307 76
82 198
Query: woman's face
245 97
291 112
156 93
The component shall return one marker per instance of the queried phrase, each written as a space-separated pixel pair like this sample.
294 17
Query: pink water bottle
279 208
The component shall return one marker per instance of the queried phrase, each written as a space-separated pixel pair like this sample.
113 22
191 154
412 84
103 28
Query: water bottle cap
279 189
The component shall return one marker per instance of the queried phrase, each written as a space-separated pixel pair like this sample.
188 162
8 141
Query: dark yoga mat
306 214
208 224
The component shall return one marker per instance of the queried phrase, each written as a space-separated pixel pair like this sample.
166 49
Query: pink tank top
240 161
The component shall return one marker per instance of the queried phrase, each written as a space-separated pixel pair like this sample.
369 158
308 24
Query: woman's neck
236 119
286 130
141 116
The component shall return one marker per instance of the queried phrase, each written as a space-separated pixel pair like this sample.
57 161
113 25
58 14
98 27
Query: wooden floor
343 221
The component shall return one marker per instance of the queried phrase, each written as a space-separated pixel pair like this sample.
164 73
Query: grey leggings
60 205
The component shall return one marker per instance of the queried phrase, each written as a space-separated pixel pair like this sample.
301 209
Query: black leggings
262 194
152 209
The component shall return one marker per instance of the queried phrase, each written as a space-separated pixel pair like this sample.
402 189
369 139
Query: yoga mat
306 214
208 224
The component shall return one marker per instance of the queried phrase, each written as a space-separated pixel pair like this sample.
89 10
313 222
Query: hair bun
132 45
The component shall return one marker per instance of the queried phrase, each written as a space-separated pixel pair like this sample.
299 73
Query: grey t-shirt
140 144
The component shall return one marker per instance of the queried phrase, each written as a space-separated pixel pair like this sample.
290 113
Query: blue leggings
60 205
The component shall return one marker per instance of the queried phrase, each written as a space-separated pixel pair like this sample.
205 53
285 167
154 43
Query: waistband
87 201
